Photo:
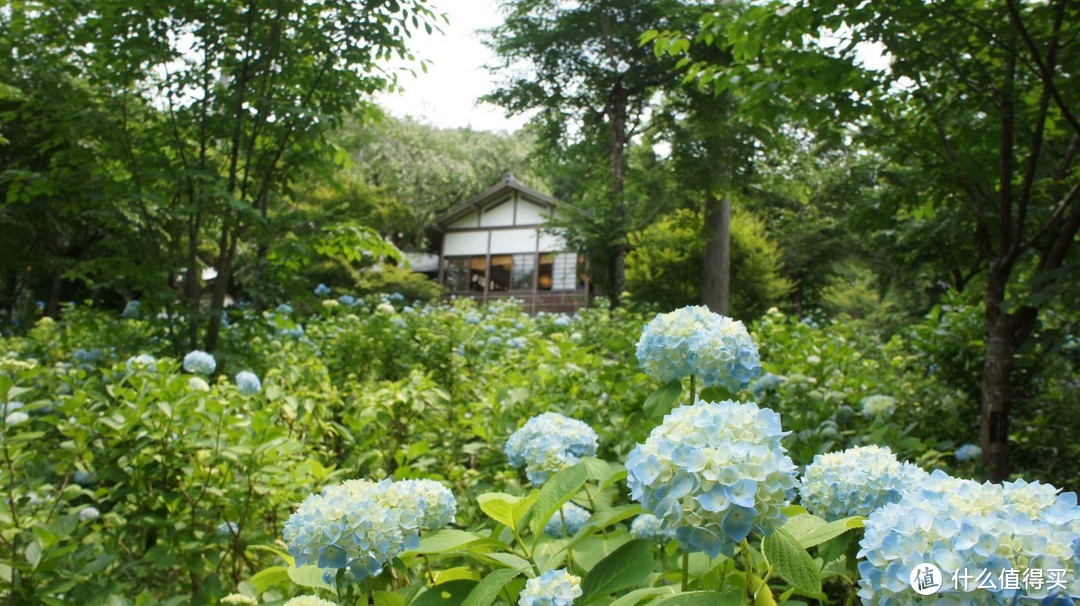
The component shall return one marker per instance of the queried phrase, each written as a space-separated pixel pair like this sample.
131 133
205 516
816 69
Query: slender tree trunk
52 304
716 266
221 288
616 114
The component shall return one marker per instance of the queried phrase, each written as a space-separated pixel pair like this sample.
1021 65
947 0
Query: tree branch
1046 68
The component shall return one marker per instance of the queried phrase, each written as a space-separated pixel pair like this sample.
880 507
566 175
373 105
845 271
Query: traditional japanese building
498 245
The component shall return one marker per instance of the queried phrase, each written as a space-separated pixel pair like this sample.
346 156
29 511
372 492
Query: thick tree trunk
1005 334
716 266
52 304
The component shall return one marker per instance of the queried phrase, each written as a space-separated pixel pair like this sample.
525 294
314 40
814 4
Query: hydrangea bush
553 588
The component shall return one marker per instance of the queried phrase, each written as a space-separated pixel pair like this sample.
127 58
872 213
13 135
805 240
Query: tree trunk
616 114
716 266
996 402
52 304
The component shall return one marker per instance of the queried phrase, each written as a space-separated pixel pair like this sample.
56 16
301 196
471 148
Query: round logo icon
925 579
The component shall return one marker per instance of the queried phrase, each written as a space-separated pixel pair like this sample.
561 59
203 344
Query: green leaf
389 598
506 509
661 401
452 593
33 554
308 576
793 563
627 566
809 530
447 539
487 591
558 489
638 595
732 597
268 577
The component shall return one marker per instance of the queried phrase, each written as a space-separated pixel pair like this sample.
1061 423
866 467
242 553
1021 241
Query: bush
664 268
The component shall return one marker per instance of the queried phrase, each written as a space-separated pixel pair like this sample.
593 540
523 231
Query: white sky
447 94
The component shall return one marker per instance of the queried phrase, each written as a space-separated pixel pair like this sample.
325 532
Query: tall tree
581 69
981 96
218 107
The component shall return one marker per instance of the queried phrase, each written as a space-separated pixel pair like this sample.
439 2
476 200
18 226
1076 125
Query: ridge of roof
507 184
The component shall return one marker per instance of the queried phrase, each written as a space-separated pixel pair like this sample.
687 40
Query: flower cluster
968 452
429 503
856 481
198 384
322 290
247 383
362 525
548 443
766 383
553 588
89 514
695 341
239 599
309 600
647 526
960 525
714 472
878 406
141 362
200 363
567 521
131 310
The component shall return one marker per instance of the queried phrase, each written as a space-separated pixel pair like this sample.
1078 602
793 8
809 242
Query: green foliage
395 279
664 269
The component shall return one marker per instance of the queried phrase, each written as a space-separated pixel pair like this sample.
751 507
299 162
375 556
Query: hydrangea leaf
452 592
661 401
309 576
487 591
793 563
506 509
269 577
447 539
627 566
554 493
811 530
733 597
638 595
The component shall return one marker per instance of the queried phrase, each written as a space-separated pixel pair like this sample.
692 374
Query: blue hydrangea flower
878 406
714 472
322 290
567 521
430 503
226 530
350 526
284 309
7 408
494 341
83 478
960 525
561 320
247 383
553 588
200 363
89 514
142 362
347 300
395 297
88 356
647 526
695 341
548 443
766 383
856 481
131 310
968 452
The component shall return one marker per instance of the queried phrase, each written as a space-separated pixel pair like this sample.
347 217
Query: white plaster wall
501 215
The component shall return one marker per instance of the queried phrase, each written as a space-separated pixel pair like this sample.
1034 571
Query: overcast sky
447 94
